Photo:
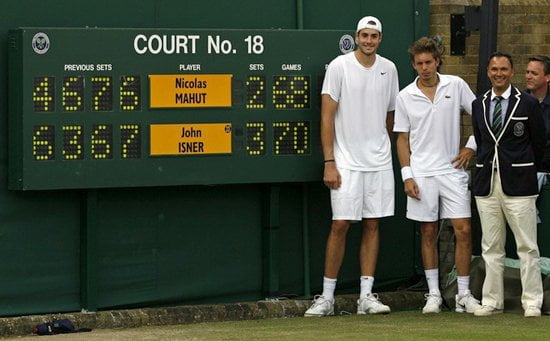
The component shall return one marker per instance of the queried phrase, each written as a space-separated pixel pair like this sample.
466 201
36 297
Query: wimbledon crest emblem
347 43
40 43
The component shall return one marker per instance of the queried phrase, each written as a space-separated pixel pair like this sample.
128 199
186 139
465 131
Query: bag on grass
63 326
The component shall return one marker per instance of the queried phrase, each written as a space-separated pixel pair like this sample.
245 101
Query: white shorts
363 195
441 197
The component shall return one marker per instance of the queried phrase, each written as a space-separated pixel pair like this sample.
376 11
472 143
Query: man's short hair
544 60
500 54
426 45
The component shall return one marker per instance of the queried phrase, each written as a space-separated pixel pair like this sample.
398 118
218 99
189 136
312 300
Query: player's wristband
331 160
406 173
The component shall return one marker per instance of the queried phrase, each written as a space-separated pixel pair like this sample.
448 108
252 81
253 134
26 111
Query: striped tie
497 116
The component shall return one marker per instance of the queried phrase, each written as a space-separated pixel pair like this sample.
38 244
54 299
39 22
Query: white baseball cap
369 22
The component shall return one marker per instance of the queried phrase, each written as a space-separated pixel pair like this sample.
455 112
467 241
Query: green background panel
64 250
40 250
181 250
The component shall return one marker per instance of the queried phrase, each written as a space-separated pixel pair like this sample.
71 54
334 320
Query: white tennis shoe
433 304
466 303
320 307
370 304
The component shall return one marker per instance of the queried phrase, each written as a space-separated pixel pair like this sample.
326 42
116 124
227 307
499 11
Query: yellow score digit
72 94
102 141
42 95
255 91
130 141
255 138
130 93
280 92
102 94
281 131
301 138
72 143
43 141
299 86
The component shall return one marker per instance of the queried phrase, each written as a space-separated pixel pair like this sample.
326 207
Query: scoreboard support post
88 251
271 244
305 241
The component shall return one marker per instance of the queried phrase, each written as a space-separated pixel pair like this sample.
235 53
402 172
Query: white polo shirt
364 97
434 128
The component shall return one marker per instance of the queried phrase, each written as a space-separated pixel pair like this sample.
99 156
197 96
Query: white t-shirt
434 128
364 97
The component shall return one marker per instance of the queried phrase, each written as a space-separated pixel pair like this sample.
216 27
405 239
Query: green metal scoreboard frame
98 108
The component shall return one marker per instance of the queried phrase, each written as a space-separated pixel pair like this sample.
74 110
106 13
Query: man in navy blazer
510 136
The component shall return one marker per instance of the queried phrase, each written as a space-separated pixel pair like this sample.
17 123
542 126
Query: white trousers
520 213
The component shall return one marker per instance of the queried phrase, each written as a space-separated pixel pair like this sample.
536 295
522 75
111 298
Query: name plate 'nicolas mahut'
192 91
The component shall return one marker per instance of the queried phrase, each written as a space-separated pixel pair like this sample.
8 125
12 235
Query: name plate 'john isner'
190 139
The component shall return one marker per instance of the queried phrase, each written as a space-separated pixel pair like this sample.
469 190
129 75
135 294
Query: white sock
366 285
463 284
329 285
432 277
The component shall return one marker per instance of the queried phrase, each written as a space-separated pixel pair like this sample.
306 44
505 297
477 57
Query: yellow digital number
280 131
43 94
102 94
72 94
130 93
43 142
255 92
255 144
299 86
72 142
102 141
300 138
130 140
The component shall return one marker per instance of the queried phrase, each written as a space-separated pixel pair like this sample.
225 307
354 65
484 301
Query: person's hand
463 158
411 188
331 176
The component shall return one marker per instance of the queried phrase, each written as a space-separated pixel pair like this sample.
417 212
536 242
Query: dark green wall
98 249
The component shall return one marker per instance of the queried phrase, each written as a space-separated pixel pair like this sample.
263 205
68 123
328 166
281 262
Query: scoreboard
96 108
